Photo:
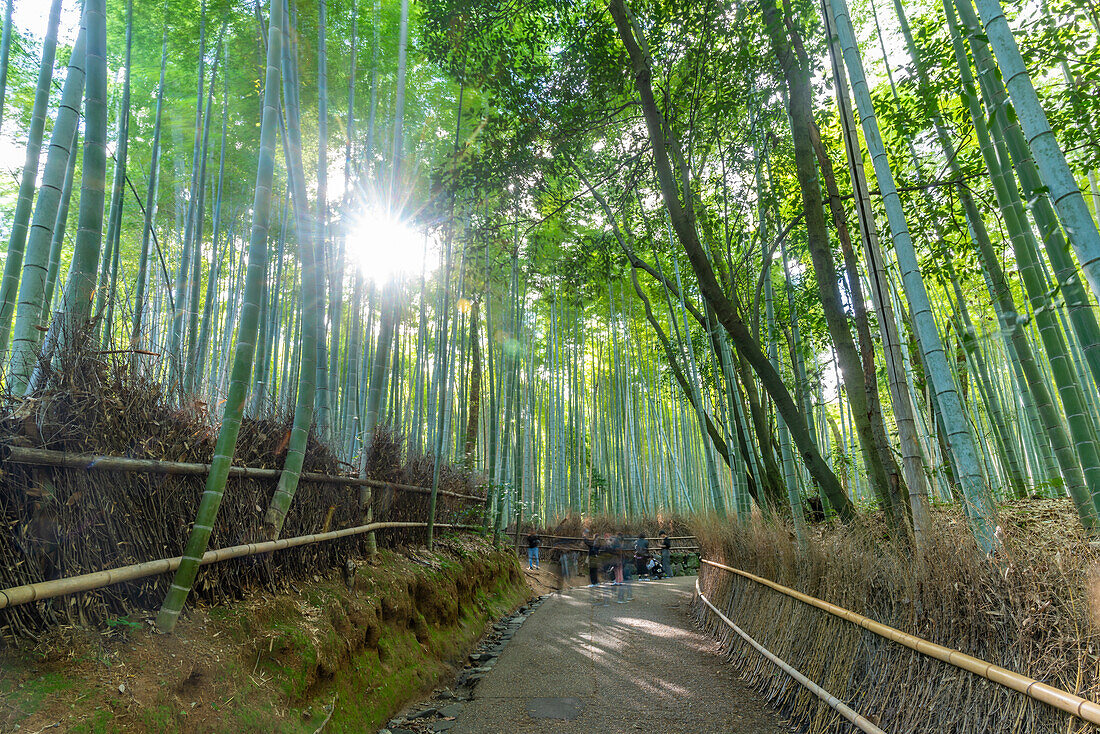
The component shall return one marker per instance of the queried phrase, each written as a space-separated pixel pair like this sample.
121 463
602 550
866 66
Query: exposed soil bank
349 653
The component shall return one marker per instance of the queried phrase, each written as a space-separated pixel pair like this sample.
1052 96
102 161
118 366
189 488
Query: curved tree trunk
682 216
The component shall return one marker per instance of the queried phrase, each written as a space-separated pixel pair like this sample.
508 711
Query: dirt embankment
344 650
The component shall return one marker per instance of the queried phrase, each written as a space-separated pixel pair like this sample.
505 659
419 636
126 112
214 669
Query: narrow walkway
581 664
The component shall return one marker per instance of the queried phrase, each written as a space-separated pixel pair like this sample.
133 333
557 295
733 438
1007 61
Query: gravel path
584 663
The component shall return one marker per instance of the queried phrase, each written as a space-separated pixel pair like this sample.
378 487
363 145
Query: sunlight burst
386 248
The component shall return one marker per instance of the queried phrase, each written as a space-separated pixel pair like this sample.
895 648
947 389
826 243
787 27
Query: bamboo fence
1037 690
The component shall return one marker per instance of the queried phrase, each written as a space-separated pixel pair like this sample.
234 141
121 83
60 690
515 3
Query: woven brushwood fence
63 521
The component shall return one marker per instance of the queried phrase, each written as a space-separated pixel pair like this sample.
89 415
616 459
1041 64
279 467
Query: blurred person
564 562
666 551
641 554
617 557
593 546
626 587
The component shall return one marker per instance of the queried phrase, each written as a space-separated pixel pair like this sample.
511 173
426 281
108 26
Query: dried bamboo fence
99 579
95 462
1033 689
859 721
72 514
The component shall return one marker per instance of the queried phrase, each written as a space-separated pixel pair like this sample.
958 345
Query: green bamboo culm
311 308
325 363
209 302
36 262
5 51
177 346
1072 472
76 301
246 337
114 222
59 228
150 203
1078 305
1055 171
13 265
978 503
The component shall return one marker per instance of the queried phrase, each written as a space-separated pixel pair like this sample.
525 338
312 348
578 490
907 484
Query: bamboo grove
629 258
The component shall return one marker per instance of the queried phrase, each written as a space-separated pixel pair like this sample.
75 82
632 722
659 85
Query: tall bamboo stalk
13 264
246 336
36 264
978 502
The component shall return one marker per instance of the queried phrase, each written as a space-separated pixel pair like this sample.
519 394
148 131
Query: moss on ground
277 663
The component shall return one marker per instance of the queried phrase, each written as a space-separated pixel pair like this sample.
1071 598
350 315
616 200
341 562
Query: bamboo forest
379 347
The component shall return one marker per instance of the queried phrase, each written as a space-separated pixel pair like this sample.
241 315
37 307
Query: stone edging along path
439 712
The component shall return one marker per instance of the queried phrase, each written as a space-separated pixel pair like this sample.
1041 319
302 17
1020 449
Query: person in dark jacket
641 553
666 552
532 549
593 558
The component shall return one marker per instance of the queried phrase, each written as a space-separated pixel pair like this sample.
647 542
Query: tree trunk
682 216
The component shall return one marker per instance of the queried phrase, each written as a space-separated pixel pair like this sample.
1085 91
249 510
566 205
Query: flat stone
563 709
423 714
451 710
441 725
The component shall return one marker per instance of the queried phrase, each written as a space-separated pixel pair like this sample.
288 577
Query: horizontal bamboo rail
607 551
28 593
1056 697
859 721
519 541
65 460
576 537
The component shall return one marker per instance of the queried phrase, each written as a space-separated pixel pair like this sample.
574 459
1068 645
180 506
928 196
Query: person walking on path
593 558
617 554
641 554
532 549
666 552
626 588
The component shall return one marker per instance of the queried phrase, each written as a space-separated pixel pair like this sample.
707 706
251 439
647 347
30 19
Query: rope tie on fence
1063 700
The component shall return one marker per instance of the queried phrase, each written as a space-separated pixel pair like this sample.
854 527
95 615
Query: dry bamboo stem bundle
1059 699
64 460
859 721
86 582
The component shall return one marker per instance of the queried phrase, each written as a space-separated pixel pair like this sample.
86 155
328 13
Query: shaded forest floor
324 651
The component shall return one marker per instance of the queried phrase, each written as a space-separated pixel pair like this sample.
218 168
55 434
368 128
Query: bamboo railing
859 721
1056 697
96 462
681 548
28 593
